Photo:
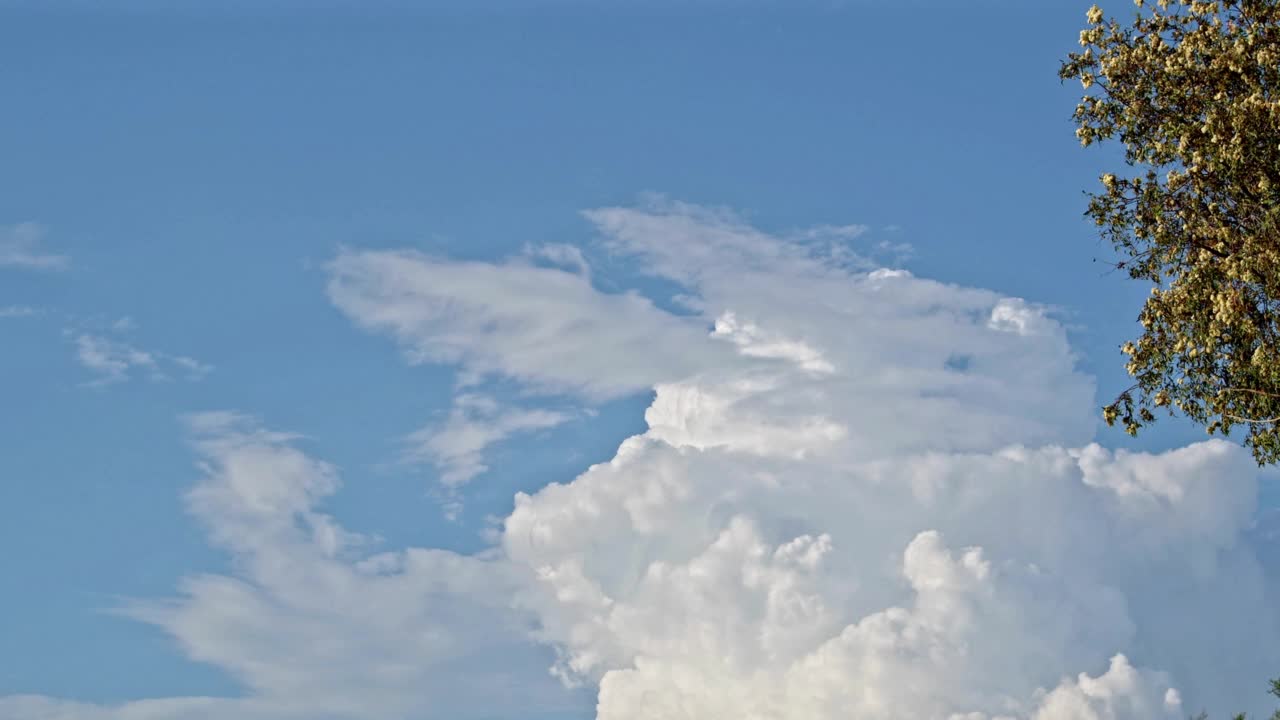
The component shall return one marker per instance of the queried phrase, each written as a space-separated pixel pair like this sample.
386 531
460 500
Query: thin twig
1251 420
1251 390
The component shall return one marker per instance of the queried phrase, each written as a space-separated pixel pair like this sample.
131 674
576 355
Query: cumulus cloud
850 522
114 361
870 494
859 494
887 507
899 588
1121 692
21 247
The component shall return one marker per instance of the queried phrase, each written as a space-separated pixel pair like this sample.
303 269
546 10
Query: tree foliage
1192 91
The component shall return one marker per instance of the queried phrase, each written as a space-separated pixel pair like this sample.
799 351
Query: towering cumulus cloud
860 494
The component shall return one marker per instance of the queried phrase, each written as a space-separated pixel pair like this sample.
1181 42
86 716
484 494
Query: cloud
114 361
17 311
886 335
20 247
859 494
544 326
111 360
124 324
316 623
1122 692
919 587
195 369
848 521
870 494
476 422
568 256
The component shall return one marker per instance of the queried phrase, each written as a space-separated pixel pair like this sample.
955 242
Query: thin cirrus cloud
114 361
17 311
475 423
456 447
22 247
859 493
542 326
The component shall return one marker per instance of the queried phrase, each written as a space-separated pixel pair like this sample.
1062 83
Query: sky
628 360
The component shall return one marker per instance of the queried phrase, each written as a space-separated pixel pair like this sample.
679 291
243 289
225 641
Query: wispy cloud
17 311
545 326
316 623
833 232
567 256
476 423
21 246
194 369
114 361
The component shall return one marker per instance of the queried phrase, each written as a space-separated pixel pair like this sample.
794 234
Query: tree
1192 91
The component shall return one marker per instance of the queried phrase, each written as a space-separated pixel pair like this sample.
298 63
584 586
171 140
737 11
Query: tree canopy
1192 92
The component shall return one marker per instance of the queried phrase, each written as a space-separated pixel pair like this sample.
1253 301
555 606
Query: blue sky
192 174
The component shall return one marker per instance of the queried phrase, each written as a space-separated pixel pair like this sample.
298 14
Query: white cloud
831 232
20 247
887 335
719 581
1120 693
314 623
544 326
754 342
195 370
114 361
476 422
860 499
568 256
124 324
17 311
860 494
845 521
